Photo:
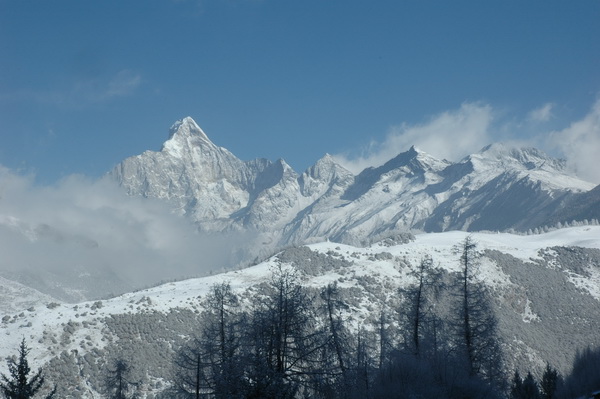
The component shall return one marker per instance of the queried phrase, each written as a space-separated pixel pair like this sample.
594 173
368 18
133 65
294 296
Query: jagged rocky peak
325 173
187 127
186 134
413 160
285 171
325 167
424 161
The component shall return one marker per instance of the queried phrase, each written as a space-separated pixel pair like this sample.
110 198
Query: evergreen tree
475 323
20 385
336 353
190 379
211 363
118 381
284 343
585 374
549 383
221 342
418 296
530 388
516 388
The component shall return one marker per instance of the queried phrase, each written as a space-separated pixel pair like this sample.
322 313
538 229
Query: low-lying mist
85 239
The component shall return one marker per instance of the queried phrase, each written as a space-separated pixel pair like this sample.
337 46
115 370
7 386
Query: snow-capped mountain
498 188
545 291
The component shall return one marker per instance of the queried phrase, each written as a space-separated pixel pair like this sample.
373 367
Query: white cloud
541 114
91 226
450 135
579 143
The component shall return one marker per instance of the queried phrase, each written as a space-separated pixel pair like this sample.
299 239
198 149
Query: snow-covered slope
498 188
544 287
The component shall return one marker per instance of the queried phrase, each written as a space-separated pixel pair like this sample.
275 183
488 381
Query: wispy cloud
541 114
82 91
451 135
580 144
123 84
456 133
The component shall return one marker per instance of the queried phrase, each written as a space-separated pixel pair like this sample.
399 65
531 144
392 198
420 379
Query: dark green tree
585 374
526 388
516 388
549 383
20 385
530 388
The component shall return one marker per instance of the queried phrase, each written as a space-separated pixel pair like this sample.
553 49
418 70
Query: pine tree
475 323
118 381
337 338
516 388
190 378
549 382
530 388
20 385
418 297
284 344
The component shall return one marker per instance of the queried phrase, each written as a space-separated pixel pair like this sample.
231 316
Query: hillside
544 288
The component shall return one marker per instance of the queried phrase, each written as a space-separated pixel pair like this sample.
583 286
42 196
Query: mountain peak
184 135
187 127
326 167
526 157
416 160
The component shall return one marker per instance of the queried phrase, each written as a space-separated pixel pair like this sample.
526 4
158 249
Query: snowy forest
294 342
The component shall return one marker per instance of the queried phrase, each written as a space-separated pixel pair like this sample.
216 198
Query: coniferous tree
118 382
211 363
475 323
524 388
549 383
585 374
530 388
20 385
383 338
516 388
362 367
284 343
418 297
336 369
190 379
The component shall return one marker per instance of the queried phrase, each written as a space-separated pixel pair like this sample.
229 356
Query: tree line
291 343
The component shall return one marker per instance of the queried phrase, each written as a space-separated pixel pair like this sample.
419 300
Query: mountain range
498 188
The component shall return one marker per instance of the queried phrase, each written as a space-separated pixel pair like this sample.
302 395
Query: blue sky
85 84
